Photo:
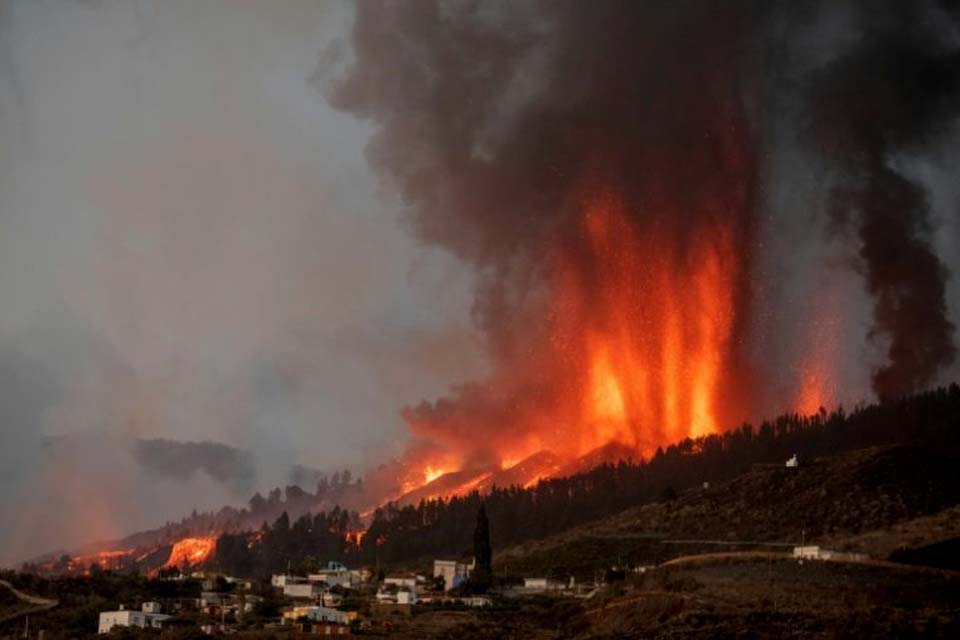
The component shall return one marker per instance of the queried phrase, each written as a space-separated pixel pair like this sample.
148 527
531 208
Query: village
339 600
336 600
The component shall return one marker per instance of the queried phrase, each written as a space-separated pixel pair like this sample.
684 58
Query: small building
402 580
241 583
314 613
454 573
336 574
281 581
151 607
391 592
328 614
793 463
813 552
131 618
305 590
534 583
546 584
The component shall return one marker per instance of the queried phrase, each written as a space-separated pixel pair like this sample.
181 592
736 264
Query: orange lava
636 349
430 474
112 559
191 551
655 353
623 333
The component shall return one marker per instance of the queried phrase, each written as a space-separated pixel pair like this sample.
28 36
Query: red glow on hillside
638 352
191 551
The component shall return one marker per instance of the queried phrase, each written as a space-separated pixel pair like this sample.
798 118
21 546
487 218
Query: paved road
40 604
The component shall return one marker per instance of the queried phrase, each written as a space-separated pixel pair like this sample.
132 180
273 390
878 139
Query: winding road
39 604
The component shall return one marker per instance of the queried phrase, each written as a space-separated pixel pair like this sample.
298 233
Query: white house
316 614
335 574
793 463
545 584
302 590
454 573
394 593
402 580
130 618
281 581
814 552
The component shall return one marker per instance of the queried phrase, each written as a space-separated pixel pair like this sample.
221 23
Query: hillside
828 498
749 595
831 499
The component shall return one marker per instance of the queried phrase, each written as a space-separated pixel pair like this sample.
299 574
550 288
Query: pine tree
482 574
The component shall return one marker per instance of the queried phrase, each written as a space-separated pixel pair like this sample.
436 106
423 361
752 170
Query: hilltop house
814 552
546 584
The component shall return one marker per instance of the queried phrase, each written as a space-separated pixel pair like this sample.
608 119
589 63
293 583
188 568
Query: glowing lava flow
191 551
430 474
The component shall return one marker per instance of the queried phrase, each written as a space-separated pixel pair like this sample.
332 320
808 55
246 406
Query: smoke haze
193 249
240 236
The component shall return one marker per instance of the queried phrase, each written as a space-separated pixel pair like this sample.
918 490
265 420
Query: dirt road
39 604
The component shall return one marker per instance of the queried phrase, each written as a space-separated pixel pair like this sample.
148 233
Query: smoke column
598 165
895 93
601 180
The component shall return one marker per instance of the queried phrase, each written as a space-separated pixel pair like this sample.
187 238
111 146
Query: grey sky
193 247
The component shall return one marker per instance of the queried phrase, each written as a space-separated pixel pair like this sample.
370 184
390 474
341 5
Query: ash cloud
493 121
893 95
496 121
194 250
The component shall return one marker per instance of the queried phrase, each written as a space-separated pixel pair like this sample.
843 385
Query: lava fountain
605 186
650 332
636 350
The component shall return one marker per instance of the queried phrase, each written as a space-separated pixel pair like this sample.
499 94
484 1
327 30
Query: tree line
445 526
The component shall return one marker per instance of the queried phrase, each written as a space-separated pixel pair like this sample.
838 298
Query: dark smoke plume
896 92
496 120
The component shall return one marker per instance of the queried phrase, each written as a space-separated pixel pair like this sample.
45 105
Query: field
748 595
872 501
777 597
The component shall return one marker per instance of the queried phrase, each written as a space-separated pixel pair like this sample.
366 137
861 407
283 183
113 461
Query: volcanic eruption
601 168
